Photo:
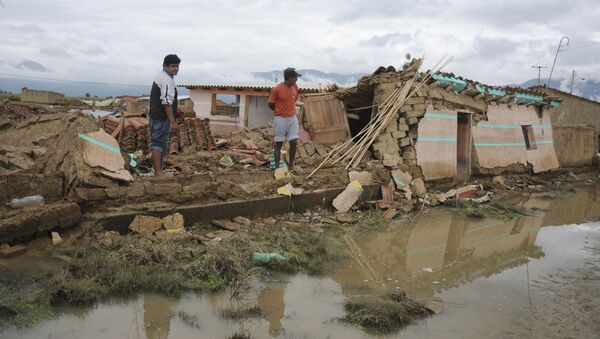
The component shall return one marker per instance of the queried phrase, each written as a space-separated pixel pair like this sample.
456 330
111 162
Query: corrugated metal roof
241 86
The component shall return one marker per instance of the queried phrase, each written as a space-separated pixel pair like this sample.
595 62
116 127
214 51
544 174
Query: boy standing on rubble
163 105
282 101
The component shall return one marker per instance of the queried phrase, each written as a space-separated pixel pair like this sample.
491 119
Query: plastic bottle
265 258
26 201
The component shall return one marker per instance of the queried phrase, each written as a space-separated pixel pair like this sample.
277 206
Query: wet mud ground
535 275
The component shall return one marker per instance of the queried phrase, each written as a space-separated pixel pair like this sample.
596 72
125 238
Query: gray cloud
387 39
32 66
493 41
55 51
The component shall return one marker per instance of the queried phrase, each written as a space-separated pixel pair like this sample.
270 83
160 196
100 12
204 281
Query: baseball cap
290 72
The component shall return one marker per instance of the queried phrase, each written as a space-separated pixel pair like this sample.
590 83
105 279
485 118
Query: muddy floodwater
533 276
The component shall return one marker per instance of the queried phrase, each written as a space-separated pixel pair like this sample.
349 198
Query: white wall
259 113
202 99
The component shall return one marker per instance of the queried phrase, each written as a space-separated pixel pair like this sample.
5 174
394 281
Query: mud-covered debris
574 176
418 187
242 221
226 161
56 239
109 238
390 213
290 190
345 218
174 222
499 181
345 200
364 177
12 251
145 225
227 225
221 234
269 220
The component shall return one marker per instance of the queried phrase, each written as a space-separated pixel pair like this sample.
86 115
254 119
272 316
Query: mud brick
412 134
402 127
68 215
197 188
419 107
136 190
405 142
414 101
302 151
406 108
163 188
90 194
310 148
399 134
8 252
116 192
415 114
413 121
416 172
321 150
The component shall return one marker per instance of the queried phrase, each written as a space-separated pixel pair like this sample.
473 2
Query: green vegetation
383 314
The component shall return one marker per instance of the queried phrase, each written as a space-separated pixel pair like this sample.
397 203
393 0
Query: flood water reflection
480 268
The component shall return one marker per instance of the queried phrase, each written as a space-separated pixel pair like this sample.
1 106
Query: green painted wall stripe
511 126
506 144
436 139
510 144
438 115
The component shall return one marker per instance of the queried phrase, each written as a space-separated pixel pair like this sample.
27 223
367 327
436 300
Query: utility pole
573 81
539 73
556 56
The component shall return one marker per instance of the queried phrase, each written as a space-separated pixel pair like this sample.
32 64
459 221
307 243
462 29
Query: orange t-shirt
284 99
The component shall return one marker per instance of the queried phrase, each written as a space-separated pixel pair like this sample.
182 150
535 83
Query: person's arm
171 116
167 96
273 98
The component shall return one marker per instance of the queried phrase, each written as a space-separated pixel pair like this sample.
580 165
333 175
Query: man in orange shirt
283 103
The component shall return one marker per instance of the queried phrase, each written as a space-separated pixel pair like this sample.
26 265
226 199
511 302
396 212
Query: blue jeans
159 131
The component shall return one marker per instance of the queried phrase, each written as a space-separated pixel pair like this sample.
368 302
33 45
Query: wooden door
325 117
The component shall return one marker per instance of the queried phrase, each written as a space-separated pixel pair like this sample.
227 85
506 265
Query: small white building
231 107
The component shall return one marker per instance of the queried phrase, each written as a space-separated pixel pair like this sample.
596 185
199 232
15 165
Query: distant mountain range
313 77
588 89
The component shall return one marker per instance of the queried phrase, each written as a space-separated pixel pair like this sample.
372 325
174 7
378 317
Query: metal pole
555 56
572 81
539 73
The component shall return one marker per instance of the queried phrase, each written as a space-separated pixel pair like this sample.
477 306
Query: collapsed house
453 127
232 107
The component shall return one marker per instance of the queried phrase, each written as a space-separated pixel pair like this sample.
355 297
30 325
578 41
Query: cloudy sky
493 41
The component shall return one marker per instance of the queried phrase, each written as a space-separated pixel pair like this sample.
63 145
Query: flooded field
532 276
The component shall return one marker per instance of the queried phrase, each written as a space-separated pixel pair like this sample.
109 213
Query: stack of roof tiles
135 134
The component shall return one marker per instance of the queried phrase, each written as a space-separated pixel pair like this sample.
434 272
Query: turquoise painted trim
398 182
436 139
554 104
511 126
496 92
132 162
480 88
524 98
441 116
457 84
505 144
100 143
510 144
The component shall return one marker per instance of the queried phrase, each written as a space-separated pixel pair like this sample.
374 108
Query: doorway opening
463 147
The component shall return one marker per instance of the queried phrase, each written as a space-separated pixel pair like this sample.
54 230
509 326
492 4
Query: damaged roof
249 86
